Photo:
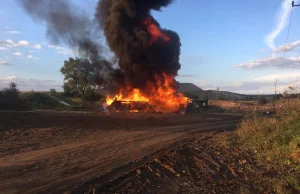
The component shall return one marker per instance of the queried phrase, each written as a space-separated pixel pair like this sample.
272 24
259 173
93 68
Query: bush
262 100
40 100
10 98
52 90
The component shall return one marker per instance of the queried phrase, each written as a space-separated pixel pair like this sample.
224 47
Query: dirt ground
55 152
199 165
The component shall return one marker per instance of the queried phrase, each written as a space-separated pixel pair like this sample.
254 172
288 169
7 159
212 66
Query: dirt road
52 152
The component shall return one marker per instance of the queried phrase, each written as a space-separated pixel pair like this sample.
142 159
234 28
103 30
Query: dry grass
276 141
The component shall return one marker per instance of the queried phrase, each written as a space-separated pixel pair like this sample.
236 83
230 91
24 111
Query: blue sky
224 44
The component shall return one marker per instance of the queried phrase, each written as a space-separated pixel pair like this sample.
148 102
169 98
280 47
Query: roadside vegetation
275 142
41 100
10 98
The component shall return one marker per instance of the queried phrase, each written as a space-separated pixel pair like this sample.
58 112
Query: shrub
262 100
10 98
40 100
52 90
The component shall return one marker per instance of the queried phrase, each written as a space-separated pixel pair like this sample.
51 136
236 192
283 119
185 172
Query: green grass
276 142
39 100
64 98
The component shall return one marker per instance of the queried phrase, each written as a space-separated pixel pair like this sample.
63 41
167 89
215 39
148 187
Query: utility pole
275 97
293 4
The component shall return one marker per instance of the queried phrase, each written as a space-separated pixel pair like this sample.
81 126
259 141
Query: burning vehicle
136 102
137 107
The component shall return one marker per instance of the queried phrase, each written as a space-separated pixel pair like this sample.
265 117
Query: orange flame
154 31
135 95
162 97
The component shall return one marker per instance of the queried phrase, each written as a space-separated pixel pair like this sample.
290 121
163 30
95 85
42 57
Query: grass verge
276 142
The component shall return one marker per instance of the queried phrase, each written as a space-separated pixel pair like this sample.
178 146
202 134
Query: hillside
221 95
189 87
210 94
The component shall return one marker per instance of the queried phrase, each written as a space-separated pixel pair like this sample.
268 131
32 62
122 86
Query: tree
13 87
52 90
10 98
76 72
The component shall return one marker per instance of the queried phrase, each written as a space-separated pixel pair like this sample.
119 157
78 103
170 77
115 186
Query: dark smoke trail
69 24
127 35
145 51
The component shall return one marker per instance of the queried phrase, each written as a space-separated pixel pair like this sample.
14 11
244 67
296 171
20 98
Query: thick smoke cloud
127 35
142 59
69 24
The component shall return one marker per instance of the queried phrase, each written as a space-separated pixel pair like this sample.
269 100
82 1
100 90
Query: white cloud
23 43
32 57
11 77
37 46
18 54
262 50
271 62
281 19
3 62
13 32
264 84
10 43
61 50
284 77
6 44
2 48
287 47
25 84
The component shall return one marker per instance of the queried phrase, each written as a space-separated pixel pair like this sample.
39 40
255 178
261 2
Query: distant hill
210 94
189 87
221 95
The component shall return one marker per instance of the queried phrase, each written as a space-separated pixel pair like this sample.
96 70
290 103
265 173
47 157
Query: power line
294 67
287 39
286 42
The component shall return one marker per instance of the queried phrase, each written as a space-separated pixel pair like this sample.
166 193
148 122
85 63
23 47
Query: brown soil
200 165
51 152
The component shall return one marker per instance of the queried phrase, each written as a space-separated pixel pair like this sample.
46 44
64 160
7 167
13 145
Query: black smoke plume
127 35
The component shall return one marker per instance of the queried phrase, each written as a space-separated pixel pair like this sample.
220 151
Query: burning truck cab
139 107
128 106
